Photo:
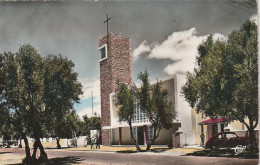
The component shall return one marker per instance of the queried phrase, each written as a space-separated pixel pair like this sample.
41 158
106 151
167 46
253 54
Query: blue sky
164 34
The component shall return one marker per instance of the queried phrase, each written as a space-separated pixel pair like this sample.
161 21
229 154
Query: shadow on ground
5 152
127 151
225 153
155 150
159 150
60 161
50 148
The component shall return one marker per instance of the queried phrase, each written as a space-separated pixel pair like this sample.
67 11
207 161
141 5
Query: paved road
101 158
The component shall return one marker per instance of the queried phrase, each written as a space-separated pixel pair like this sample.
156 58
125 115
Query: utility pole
92 101
258 61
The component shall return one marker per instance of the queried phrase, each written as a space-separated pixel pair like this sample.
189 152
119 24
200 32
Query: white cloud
88 111
91 85
180 47
142 48
254 18
218 36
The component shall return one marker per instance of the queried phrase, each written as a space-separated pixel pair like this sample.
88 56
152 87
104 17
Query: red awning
212 121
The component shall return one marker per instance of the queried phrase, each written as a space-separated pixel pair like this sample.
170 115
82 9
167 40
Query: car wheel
214 147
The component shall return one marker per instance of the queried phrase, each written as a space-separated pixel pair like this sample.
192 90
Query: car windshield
222 136
230 135
226 135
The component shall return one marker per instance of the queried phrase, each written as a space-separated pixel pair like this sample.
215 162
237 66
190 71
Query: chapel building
115 68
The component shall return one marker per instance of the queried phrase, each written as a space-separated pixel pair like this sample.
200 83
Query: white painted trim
234 130
126 125
105 45
112 119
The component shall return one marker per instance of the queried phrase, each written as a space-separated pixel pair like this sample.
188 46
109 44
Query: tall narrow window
139 115
134 129
150 132
103 52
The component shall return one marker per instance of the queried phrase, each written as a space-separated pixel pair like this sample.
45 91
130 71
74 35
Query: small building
209 126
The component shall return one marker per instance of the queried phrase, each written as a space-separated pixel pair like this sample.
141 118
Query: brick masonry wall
115 68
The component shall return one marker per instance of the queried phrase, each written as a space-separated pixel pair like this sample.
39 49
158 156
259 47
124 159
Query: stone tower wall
115 68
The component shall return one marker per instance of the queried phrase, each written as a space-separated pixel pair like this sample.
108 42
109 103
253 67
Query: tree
38 91
4 112
154 102
125 100
225 81
5 115
29 84
61 91
23 91
92 123
6 126
70 126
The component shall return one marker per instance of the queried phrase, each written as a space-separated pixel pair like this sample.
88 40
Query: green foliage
24 88
151 99
61 91
125 99
38 94
154 102
92 123
225 82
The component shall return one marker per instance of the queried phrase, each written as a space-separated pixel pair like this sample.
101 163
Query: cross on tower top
106 21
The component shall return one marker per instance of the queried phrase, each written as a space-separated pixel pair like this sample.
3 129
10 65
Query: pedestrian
98 143
93 141
202 136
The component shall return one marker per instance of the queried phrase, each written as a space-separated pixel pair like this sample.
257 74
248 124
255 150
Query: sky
164 34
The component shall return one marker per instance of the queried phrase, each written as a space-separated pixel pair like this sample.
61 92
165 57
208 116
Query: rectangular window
134 129
150 132
139 115
103 52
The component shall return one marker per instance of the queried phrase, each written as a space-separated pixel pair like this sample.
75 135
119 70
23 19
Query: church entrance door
140 135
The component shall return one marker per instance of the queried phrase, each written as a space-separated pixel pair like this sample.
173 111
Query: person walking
93 141
98 143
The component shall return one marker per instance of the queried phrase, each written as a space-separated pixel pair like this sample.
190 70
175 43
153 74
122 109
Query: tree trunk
135 141
155 136
35 147
20 145
27 149
58 143
28 157
252 137
43 155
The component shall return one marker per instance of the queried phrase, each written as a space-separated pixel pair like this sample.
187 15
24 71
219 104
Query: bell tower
115 66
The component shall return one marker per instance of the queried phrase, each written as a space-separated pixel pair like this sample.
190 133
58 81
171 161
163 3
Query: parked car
226 140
